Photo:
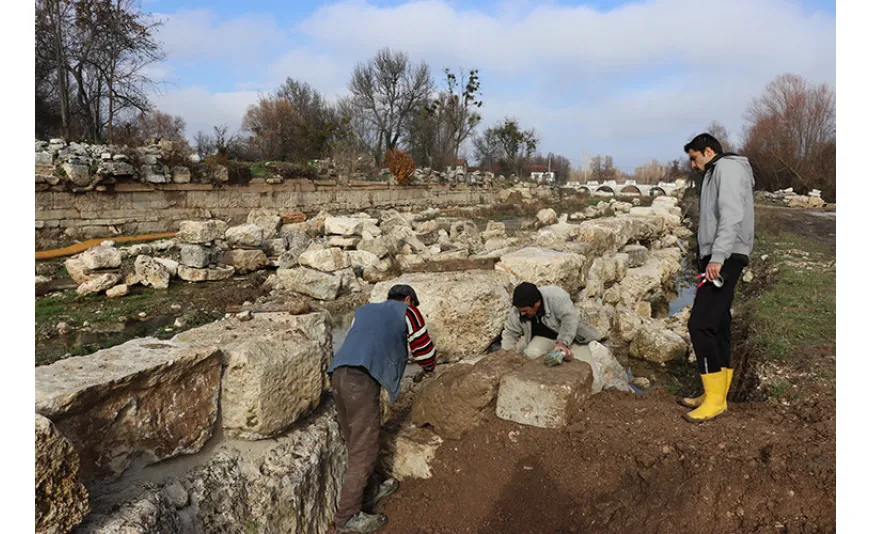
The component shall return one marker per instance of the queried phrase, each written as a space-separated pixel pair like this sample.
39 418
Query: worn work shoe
714 398
386 488
363 522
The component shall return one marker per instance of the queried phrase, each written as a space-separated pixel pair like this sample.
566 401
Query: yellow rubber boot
692 402
729 374
714 398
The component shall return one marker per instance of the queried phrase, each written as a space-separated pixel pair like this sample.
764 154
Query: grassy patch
797 308
798 311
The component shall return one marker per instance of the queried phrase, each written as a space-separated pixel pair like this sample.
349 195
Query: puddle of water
685 285
80 342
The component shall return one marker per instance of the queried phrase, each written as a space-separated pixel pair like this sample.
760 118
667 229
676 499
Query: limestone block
145 400
275 369
245 260
245 236
98 283
101 257
343 226
199 232
464 310
195 256
656 344
458 399
77 270
326 260
269 220
547 216
409 453
119 290
546 267
310 282
61 499
151 273
541 396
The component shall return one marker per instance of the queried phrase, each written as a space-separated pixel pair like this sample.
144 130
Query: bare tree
791 135
488 151
717 130
204 144
387 89
156 124
100 49
295 124
516 145
458 105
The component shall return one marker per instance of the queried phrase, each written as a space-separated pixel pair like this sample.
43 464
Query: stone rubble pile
787 197
262 377
83 166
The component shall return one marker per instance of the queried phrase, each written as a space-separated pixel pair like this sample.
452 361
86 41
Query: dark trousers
357 403
710 322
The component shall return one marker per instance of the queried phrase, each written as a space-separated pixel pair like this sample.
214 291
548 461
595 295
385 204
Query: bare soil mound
631 464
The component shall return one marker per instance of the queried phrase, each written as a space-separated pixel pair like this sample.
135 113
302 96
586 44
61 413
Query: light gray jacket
727 210
559 315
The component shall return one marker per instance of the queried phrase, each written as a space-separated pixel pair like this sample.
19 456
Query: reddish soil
631 464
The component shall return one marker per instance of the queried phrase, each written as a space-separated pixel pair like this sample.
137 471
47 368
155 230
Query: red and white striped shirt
422 348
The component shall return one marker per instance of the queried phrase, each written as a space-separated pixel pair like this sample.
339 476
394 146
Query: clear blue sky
629 79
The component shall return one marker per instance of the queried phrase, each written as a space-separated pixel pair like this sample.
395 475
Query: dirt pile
630 464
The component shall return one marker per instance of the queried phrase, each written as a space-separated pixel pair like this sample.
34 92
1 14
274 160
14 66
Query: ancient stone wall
154 208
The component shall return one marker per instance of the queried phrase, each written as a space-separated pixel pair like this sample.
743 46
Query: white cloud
634 81
326 73
200 35
202 109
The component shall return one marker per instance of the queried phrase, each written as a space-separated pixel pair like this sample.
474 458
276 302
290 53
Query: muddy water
102 336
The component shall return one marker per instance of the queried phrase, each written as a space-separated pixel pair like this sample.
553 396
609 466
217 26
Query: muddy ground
629 463
95 322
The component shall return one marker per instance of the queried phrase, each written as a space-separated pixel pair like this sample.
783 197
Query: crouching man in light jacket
544 318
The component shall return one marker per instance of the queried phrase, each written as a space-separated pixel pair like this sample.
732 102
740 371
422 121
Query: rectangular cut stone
459 331
541 396
275 369
245 260
146 399
544 267
310 282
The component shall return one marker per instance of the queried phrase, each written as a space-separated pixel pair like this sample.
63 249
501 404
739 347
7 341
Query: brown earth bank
630 464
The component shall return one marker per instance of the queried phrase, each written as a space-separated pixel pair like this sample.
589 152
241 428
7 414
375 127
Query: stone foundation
150 208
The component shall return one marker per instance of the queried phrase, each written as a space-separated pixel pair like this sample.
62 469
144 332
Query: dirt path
630 463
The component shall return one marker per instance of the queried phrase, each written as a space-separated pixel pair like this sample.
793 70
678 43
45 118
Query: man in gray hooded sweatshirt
726 231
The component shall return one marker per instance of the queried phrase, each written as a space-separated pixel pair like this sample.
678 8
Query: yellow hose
84 245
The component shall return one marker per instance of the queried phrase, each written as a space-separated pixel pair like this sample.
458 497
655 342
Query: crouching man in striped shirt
374 354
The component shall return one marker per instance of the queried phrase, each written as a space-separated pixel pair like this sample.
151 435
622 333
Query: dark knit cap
400 291
526 294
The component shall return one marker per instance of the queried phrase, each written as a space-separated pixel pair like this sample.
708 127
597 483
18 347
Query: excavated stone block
145 400
541 396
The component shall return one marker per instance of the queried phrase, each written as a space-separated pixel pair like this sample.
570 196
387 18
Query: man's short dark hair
401 291
702 142
526 294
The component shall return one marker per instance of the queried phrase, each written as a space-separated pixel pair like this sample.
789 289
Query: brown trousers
357 403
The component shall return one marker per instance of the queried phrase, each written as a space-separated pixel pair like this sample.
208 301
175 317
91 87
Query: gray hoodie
727 210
